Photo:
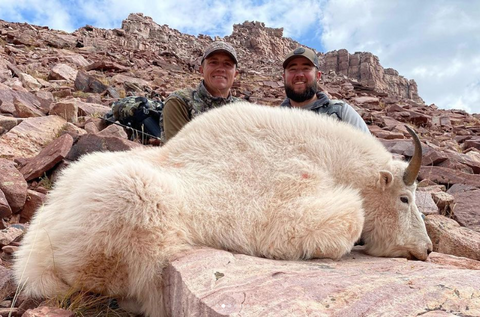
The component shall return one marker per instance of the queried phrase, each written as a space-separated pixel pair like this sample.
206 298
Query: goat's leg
325 224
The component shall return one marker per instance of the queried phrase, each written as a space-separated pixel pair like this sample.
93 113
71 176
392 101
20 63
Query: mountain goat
269 182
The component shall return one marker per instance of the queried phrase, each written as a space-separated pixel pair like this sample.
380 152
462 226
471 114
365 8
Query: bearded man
300 76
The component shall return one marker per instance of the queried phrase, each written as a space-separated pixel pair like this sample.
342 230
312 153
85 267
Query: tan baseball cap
220 46
302 51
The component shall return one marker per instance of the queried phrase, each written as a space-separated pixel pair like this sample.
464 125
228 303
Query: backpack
141 115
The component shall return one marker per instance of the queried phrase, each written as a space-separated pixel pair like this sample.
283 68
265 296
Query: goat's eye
423 217
404 199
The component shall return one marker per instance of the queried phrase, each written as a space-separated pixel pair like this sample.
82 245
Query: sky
434 42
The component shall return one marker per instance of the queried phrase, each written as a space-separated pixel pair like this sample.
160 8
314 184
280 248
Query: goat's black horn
413 168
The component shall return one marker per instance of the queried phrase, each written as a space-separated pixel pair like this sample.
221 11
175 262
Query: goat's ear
385 179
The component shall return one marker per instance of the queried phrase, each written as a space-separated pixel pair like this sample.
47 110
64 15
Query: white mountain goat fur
270 182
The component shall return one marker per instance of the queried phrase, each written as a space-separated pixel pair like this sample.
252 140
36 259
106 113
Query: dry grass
104 80
86 304
60 131
80 94
122 93
45 182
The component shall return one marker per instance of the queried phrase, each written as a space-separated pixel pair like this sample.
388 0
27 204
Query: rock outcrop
209 282
366 69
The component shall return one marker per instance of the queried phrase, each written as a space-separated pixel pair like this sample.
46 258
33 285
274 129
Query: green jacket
184 105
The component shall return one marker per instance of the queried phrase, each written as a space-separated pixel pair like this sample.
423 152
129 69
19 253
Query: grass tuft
87 304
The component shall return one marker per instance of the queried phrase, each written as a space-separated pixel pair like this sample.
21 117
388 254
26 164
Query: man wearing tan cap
219 69
300 76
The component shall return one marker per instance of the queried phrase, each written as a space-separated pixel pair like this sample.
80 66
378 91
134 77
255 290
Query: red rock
8 96
366 100
48 312
76 59
444 201
13 185
29 82
208 282
34 200
448 237
473 142
91 142
8 123
90 127
457 166
106 66
402 147
63 71
91 109
46 98
5 210
9 249
68 110
30 136
87 83
433 155
446 176
127 79
48 157
425 202
98 122
9 234
74 131
25 110
466 210
419 118
453 261
114 131
389 135
7 284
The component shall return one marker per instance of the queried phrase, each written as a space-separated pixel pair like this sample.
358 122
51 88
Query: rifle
132 129
139 115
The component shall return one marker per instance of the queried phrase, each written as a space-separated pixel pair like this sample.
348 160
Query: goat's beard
307 94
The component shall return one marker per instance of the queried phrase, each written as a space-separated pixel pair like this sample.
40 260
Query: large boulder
207 282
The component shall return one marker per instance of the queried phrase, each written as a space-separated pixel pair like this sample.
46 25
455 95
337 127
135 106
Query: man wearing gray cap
219 69
300 76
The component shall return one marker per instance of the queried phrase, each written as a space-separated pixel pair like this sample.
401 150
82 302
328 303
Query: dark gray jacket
337 108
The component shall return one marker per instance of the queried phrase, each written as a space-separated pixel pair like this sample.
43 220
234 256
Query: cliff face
365 68
260 42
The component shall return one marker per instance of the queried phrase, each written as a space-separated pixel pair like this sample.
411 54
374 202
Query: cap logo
299 51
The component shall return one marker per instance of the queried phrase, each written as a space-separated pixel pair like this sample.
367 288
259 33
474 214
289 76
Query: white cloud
190 16
436 43
51 13
469 99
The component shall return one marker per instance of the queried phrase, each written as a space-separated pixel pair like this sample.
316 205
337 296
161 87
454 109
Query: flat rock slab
29 137
207 282
51 155
449 237
13 186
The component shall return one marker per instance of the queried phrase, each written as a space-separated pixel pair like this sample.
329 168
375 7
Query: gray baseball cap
302 51
220 46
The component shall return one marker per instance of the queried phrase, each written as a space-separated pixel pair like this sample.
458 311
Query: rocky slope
54 87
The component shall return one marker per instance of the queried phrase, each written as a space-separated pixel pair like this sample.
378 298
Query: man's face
300 78
219 71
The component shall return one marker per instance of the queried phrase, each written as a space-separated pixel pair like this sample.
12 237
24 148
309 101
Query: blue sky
434 42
